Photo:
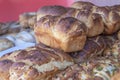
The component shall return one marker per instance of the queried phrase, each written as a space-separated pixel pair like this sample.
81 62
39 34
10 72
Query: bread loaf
93 21
110 14
93 47
50 10
110 18
95 69
35 63
67 34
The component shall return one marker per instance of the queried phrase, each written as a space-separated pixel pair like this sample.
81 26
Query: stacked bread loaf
80 42
81 20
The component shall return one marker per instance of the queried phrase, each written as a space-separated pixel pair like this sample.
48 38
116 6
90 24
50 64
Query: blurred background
10 9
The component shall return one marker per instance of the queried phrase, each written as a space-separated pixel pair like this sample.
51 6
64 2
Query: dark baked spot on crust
52 10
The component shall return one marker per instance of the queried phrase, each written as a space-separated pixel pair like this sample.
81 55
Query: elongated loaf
93 21
110 14
68 34
35 63
95 69
110 18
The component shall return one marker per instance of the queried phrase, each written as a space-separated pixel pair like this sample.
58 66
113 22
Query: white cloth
22 46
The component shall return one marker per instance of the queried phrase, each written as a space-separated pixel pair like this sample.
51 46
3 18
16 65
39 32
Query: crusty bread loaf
5 44
95 69
35 63
50 10
27 19
110 18
93 47
110 14
93 21
68 34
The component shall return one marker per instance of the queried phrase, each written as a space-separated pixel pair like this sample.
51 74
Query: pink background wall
10 9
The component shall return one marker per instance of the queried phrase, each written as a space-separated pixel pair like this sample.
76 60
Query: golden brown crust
32 63
68 34
51 10
93 21
110 18
110 14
